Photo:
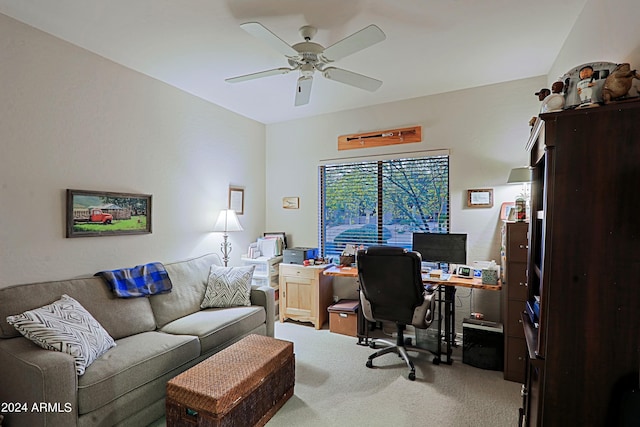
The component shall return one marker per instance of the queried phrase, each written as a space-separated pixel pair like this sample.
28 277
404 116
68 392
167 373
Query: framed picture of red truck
99 213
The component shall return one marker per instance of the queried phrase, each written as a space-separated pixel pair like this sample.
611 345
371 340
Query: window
382 202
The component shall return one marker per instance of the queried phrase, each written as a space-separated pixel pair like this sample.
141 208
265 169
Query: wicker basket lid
218 383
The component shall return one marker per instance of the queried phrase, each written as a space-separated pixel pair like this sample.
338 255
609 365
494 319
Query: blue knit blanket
138 281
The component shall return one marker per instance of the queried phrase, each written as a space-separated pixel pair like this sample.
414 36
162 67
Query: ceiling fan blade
351 78
259 31
258 75
303 90
362 39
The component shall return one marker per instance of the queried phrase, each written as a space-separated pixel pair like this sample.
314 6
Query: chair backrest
391 281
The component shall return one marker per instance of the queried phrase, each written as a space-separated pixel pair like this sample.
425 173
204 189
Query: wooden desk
446 295
474 282
340 271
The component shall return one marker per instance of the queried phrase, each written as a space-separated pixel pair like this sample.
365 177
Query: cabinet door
296 295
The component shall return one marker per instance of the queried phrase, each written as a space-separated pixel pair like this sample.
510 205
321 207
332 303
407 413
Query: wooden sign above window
380 138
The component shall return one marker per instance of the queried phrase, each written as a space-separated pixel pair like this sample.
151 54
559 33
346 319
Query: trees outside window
382 202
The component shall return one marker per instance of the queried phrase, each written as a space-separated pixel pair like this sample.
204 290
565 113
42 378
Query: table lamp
227 221
521 176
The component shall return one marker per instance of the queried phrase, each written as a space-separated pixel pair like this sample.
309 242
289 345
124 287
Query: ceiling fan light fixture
307 69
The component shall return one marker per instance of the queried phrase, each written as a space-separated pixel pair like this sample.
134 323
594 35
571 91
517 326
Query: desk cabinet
514 298
305 293
583 266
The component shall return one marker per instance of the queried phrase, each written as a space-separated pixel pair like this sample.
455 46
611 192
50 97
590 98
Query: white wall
72 119
606 30
485 129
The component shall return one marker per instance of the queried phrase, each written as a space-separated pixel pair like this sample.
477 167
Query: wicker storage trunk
242 385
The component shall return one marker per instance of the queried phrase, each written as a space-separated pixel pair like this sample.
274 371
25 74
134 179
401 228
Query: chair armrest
423 314
265 297
34 376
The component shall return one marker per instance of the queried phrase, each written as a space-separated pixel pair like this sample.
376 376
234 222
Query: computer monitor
450 248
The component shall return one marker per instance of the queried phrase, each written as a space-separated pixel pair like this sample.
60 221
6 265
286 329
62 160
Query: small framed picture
506 211
291 202
480 198
236 199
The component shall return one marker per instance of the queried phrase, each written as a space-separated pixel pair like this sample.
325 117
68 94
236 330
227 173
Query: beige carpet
335 388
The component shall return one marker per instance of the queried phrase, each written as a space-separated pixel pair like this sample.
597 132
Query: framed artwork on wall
291 202
480 198
100 213
236 199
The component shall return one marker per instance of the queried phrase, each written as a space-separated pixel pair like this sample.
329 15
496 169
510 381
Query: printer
298 255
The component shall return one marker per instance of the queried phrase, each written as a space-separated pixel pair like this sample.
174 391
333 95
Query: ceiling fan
307 57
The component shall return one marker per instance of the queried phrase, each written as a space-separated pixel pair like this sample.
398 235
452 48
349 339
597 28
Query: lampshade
227 221
519 175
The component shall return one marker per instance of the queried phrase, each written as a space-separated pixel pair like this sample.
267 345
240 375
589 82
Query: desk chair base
401 347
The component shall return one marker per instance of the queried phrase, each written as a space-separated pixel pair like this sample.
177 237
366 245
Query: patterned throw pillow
65 326
228 287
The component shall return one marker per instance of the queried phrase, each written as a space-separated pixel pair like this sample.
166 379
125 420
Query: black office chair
391 289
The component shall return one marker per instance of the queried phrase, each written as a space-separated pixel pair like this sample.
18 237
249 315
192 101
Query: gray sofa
157 337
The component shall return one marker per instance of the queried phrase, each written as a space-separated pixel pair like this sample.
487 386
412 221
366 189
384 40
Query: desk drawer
513 323
517 246
515 360
294 270
516 280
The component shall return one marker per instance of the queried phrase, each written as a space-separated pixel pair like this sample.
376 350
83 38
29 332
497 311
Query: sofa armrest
265 296
41 384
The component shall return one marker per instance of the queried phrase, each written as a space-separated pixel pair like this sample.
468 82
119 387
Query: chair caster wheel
436 361
369 364
372 345
407 341
412 376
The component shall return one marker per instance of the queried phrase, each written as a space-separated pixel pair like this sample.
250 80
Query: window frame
436 156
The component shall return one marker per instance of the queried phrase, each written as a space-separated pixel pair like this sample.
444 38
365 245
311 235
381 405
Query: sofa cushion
65 326
189 280
228 287
135 361
217 327
119 317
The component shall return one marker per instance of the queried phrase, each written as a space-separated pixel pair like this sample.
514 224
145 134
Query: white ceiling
432 46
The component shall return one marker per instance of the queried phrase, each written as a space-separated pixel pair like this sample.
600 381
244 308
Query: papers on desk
442 276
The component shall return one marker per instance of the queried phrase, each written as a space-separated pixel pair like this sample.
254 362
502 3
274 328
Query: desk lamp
227 221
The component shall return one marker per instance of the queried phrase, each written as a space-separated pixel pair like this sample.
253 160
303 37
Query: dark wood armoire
582 316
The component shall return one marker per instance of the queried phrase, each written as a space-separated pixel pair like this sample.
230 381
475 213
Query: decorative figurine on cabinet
618 83
583 84
541 94
555 101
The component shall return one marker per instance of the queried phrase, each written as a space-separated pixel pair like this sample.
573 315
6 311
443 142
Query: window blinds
382 202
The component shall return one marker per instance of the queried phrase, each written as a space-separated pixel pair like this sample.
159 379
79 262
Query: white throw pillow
228 287
65 326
